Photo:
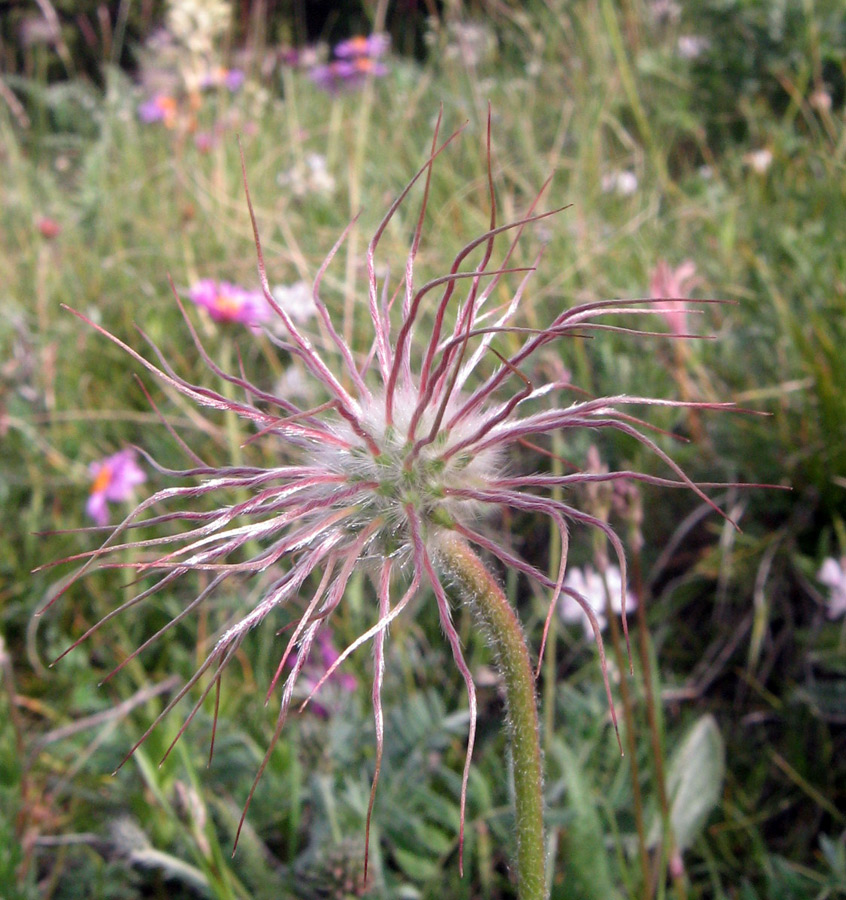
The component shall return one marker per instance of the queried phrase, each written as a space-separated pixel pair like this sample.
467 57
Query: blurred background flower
309 176
161 108
296 299
597 589
833 575
667 283
220 76
48 227
227 302
322 657
621 181
114 481
356 59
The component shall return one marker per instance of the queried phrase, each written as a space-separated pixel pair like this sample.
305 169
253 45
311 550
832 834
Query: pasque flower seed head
407 445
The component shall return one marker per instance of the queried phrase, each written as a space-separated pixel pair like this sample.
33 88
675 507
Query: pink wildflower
667 283
205 141
226 302
114 481
312 673
409 448
48 228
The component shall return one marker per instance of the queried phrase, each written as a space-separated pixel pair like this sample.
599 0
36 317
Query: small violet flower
664 11
374 46
161 108
231 79
114 479
667 283
346 74
589 586
833 575
303 57
228 302
357 58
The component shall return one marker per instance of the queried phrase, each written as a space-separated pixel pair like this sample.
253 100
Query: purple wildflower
357 59
346 74
409 447
161 108
289 56
374 46
231 79
114 479
330 76
234 79
228 302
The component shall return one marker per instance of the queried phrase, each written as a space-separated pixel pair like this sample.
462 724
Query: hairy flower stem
506 637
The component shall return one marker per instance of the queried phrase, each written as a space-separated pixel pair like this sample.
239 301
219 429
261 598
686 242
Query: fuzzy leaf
694 782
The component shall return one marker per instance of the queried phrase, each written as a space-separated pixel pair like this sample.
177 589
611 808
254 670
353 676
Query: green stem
631 747
652 700
629 83
506 637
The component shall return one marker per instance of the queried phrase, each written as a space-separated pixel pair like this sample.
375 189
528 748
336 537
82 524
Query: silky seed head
406 449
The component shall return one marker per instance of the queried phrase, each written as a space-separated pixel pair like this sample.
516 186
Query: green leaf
587 872
694 782
416 867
